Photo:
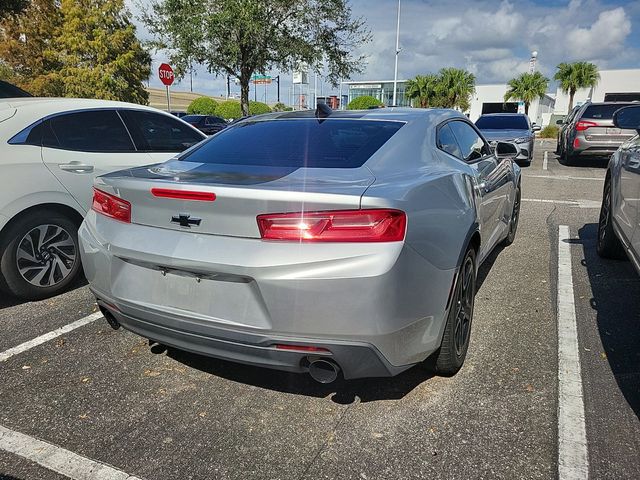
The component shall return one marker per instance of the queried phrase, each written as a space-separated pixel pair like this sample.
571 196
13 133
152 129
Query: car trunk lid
242 192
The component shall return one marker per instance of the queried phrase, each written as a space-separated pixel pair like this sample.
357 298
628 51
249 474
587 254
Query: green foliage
364 102
243 37
12 7
76 48
526 88
573 76
6 73
449 88
231 109
28 48
550 131
203 106
281 107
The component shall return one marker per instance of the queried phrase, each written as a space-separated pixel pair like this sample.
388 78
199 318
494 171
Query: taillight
183 194
379 225
582 125
111 206
576 143
301 348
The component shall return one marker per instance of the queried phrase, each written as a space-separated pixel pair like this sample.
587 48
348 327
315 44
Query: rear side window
311 143
604 112
447 142
90 131
471 144
155 132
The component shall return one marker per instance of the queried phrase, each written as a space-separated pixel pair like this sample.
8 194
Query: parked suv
513 128
591 132
50 152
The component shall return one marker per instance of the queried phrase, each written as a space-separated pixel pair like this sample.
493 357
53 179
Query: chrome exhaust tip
323 371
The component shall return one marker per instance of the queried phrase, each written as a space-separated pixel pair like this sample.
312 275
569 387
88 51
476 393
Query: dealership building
614 85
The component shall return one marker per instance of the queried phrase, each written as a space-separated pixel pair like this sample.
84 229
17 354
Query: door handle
76 167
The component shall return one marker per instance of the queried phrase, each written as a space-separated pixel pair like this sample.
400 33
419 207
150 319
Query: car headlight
522 140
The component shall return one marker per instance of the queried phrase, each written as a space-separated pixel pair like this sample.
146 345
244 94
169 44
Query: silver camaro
312 242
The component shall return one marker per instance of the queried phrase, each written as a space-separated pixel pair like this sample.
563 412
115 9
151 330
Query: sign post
165 72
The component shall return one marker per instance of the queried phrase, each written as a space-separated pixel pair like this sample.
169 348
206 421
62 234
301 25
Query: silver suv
590 132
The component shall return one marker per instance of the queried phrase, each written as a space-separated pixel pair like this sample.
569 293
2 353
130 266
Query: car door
77 146
493 182
628 211
161 136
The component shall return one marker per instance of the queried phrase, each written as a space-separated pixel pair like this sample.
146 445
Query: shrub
202 106
231 110
364 102
550 131
280 107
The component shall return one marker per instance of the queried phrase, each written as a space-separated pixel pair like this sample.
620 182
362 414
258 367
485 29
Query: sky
492 39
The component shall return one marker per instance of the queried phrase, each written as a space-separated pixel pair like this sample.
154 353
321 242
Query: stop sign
165 72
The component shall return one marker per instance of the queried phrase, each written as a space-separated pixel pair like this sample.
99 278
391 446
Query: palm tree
423 89
456 86
573 76
526 88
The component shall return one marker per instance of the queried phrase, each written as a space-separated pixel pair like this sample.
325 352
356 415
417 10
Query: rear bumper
380 308
356 360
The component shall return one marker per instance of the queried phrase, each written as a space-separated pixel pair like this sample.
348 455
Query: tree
423 88
203 106
363 102
12 7
99 52
28 50
231 110
455 87
243 37
526 88
573 76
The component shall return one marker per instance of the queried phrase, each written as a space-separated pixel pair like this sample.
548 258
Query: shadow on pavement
588 162
7 300
341 391
615 287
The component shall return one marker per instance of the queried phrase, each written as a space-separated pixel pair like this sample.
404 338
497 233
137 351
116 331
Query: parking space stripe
57 458
573 462
546 159
23 347
565 177
572 203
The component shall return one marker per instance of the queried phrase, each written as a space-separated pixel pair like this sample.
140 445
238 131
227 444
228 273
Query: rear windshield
604 111
192 118
515 122
312 143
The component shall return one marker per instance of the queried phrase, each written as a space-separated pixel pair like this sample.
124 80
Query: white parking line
573 462
58 459
546 158
565 177
572 203
23 347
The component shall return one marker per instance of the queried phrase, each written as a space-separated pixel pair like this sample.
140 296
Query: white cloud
605 37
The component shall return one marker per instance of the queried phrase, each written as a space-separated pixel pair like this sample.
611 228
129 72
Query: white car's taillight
111 206
379 225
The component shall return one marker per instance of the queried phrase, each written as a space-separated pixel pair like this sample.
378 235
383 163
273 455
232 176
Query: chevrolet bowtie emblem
186 220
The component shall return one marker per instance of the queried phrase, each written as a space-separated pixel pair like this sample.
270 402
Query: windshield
297 143
503 122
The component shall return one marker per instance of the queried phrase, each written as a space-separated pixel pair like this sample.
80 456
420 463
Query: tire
448 360
608 245
515 218
40 255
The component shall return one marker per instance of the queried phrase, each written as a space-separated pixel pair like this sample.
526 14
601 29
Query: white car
50 151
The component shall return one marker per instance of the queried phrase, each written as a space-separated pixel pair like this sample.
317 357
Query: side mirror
627 118
536 128
560 122
505 149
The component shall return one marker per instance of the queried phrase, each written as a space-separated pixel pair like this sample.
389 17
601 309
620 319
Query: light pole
395 74
532 61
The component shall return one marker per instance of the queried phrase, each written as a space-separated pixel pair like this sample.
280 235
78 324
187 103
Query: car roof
43 106
430 115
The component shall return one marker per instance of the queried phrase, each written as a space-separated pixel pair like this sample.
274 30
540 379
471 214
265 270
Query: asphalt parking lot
104 396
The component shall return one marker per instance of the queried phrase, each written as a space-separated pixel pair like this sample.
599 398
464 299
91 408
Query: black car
207 124
8 90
